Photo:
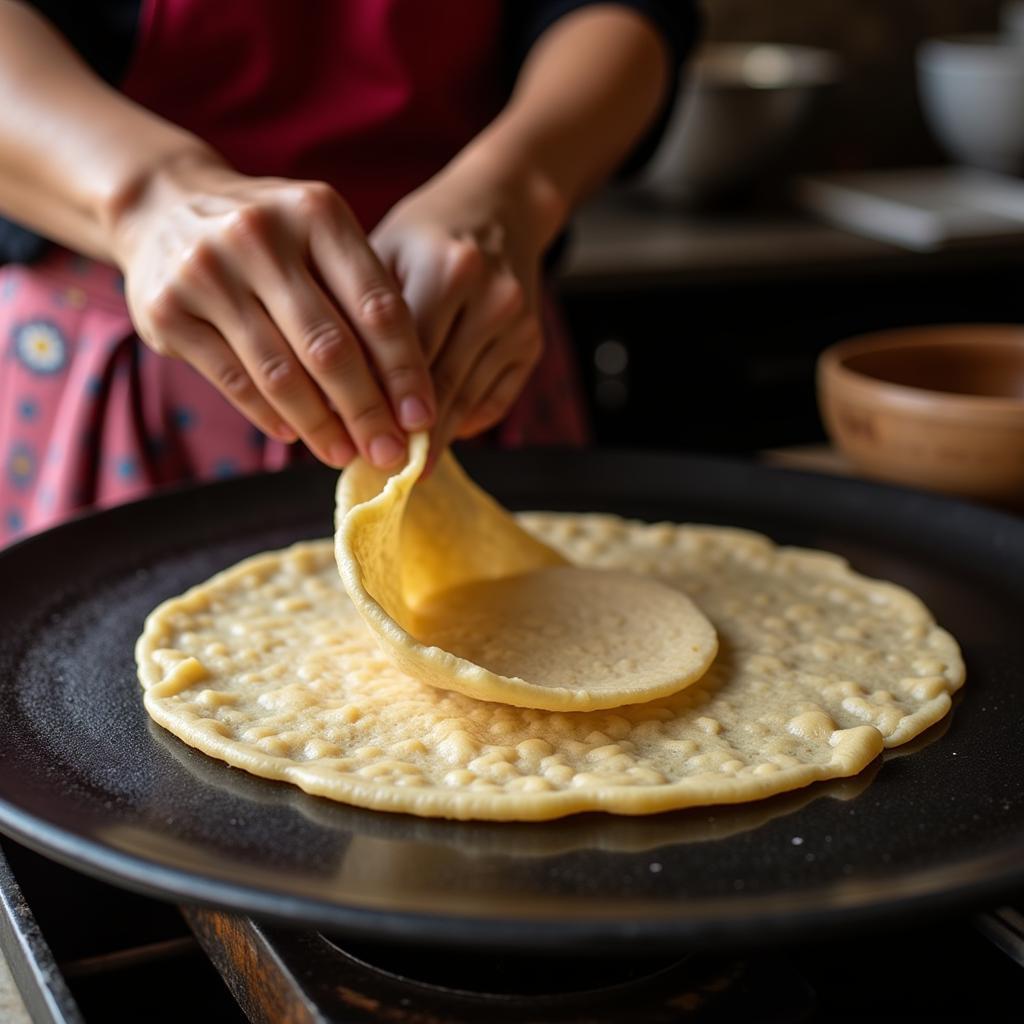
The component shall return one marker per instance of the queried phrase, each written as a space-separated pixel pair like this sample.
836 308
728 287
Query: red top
371 96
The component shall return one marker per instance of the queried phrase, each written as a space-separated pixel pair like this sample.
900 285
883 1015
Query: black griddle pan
86 778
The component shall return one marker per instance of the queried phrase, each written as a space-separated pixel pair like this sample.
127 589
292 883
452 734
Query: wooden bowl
935 407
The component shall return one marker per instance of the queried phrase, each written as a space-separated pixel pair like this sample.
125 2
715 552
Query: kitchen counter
624 241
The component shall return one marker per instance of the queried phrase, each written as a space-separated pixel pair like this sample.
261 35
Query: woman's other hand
269 288
466 249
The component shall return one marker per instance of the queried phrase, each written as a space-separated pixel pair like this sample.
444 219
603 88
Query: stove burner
350 981
504 975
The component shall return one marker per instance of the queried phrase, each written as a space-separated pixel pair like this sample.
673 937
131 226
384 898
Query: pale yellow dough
459 596
269 667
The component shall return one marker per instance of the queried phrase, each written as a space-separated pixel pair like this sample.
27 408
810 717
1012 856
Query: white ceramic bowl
740 104
972 93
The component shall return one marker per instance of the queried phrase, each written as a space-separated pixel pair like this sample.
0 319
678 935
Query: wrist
528 197
142 187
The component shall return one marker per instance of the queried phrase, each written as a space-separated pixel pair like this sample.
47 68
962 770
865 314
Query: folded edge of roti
403 543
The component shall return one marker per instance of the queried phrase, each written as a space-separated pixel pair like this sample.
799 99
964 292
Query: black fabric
18 244
103 32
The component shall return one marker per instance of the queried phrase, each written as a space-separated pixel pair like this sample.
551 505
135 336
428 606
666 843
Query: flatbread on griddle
269 667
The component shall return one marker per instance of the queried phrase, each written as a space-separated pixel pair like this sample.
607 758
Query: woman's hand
269 288
466 249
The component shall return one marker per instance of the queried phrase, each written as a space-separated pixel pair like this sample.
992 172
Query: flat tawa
86 777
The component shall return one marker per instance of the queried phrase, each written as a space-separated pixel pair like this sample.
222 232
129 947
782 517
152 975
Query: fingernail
285 433
385 451
413 413
341 453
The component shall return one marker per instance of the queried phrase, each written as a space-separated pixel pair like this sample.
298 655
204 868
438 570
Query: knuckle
324 427
464 262
382 309
365 416
248 224
328 346
199 264
162 311
276 373
318 199
234 381
509 296
395 377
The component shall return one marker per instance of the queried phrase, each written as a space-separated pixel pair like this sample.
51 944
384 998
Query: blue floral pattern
21 466
127 467
64 443
183 417
41 347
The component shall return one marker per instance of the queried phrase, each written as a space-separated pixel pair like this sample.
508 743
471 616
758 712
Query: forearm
73 151
590 88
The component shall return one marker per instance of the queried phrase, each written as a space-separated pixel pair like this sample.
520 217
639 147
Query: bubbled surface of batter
267 666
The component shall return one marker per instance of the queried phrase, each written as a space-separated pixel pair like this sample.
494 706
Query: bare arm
467 246
72 149
222 270
588 91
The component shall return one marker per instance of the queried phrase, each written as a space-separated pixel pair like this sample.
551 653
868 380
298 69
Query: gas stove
84 952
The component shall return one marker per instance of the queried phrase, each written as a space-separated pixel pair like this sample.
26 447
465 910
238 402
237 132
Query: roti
270 667
458 595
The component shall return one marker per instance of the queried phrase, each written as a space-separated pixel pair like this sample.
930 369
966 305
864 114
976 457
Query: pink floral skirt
90 417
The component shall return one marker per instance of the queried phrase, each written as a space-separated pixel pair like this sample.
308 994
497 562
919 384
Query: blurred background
852 166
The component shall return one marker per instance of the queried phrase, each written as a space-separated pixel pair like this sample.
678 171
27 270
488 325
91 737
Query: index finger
374 308
335 359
